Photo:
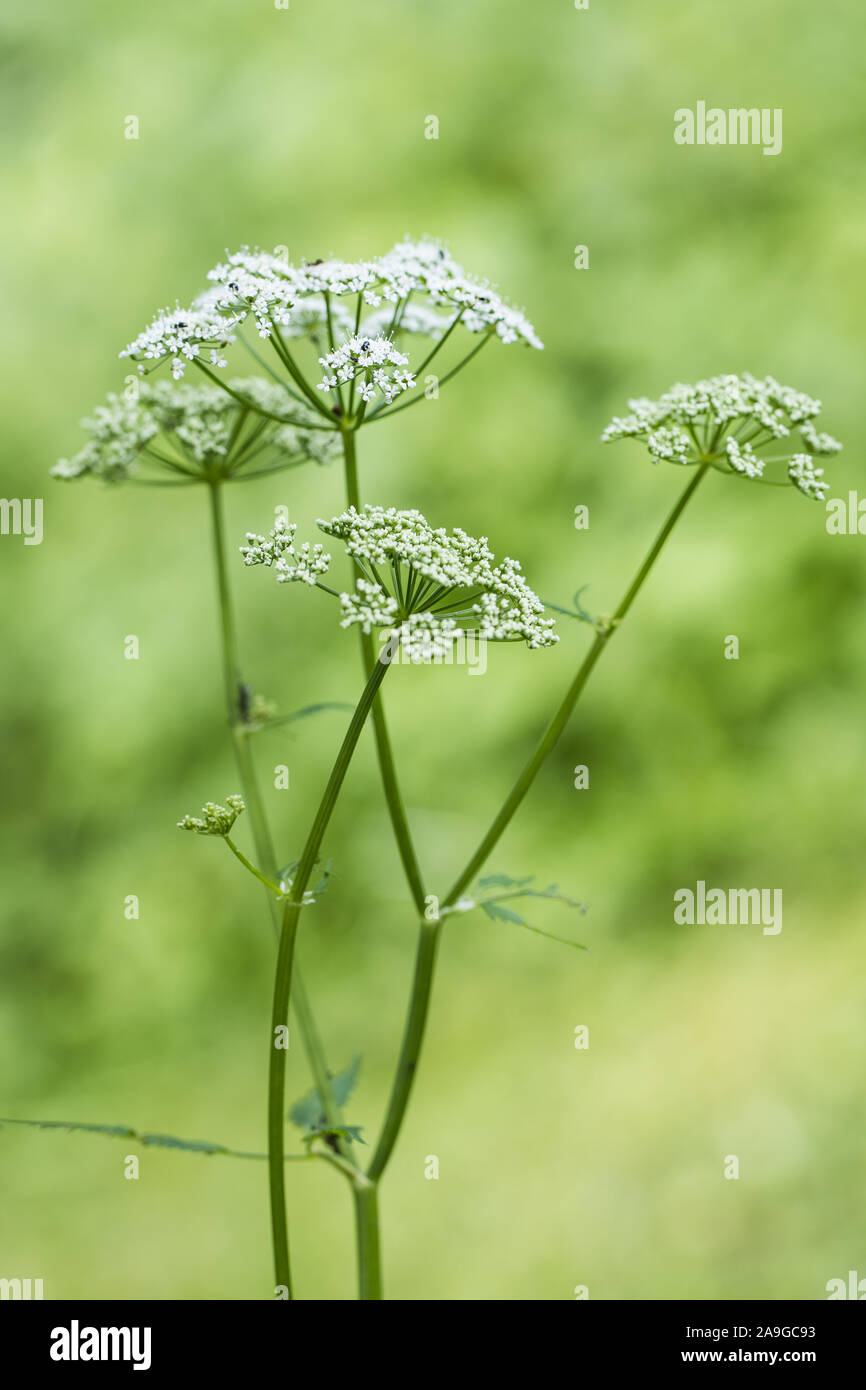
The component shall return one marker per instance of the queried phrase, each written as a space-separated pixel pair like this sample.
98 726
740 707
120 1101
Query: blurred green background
557 1167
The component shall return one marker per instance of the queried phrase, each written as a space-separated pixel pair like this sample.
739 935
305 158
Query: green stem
262 840
366 1198
283 977
413 1036
387 768
251 868
410 1050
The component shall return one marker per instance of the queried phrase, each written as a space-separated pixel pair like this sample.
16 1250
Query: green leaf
168 1141
286 873
308 1113
116 1131
323 882
157 1141
578 611
344 1083
306 712
494 904
352 1132
504 881
496 912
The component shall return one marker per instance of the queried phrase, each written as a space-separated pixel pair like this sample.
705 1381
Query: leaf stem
251 868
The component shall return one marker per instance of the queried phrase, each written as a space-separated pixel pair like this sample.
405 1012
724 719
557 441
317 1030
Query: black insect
245 701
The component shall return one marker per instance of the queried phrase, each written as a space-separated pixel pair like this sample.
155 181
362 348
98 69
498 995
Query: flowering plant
426 587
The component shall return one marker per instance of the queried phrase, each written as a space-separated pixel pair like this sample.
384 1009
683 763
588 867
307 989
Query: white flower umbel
426 586
415 290
734 424
374 362
188 432
264 285
302 564
183 335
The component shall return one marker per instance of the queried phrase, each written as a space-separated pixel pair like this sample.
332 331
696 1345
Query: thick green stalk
366 1196
425 962
283 978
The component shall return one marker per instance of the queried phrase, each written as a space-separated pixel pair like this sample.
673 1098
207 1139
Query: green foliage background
557 1167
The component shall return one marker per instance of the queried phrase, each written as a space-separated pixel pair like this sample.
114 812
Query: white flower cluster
743 459
214 819
301 300
428 587
425 268
439 583
181 335
202 424
669 445
118 431
375 361
370 605
808 478
302 564
727 421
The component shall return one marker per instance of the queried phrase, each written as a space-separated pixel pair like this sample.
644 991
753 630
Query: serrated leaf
308 1113
494 904
158 1141
344 1083
168 1141
115 1131
496 912
504 881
